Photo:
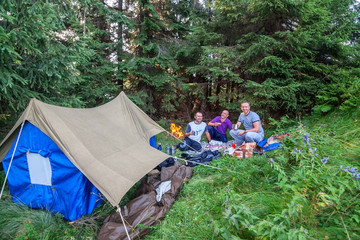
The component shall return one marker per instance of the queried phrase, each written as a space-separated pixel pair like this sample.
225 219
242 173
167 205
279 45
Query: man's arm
228 124
256 127
188 134
208 136
188 131
207 133
214 123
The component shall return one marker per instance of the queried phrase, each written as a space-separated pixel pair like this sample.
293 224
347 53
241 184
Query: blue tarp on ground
42 177
269 147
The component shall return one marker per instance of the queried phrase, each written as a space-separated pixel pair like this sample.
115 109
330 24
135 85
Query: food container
238 153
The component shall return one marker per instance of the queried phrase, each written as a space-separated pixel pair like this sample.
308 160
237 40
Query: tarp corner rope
122 219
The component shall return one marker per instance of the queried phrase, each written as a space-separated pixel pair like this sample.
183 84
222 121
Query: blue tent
60 158
43 177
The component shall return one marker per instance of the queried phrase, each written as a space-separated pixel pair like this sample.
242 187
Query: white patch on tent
39 169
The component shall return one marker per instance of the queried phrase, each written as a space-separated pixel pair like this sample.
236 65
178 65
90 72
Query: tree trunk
119 47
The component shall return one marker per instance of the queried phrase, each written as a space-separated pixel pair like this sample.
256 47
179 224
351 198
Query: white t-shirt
198 129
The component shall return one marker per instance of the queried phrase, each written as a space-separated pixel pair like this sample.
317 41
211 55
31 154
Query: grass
297 196
253 189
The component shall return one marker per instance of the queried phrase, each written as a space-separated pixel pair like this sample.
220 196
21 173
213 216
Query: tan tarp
109 144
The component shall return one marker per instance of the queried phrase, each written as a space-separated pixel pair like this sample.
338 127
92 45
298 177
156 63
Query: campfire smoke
176 130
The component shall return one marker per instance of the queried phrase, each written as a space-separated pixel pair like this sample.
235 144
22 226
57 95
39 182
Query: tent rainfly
61 158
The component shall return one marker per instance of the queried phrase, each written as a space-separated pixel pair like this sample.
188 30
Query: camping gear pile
154 198
203 158
245 150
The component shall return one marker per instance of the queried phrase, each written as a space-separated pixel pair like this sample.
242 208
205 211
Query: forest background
173 58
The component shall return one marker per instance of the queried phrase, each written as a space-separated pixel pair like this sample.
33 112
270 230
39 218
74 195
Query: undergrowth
307 189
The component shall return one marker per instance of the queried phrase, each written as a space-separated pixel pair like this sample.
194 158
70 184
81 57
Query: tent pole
122 219
11 160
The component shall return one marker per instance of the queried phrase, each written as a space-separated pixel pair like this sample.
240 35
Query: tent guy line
205 165
123 221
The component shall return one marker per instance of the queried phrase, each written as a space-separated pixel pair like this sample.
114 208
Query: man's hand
214 124
237 125
241 132
189 133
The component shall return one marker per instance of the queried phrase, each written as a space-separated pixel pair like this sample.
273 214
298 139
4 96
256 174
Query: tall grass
307 189
20 222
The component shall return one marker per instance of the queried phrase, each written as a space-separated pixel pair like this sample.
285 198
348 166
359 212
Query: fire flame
176 130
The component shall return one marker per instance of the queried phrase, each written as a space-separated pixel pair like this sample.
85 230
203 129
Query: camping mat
144 209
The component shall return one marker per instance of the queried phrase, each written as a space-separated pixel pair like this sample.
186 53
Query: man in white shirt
193 134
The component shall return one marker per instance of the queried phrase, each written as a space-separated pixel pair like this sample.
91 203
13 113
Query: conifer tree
54 51
277 54
151 71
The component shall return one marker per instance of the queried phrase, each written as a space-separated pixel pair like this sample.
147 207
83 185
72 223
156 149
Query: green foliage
342 91
304 190
181 56
284 123
176 57
278 54
150 72
48 54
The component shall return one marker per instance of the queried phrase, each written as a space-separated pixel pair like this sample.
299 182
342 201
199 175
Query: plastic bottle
168 150
159 146
173 150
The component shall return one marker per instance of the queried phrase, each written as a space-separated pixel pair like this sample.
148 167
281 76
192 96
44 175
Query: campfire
176 130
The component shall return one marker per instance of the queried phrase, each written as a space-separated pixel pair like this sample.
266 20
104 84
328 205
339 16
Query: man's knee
223 138
197 146
233 132
184 146
193 145
253 137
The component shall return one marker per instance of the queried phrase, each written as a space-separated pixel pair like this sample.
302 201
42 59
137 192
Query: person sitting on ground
253 130
219 125
193 133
